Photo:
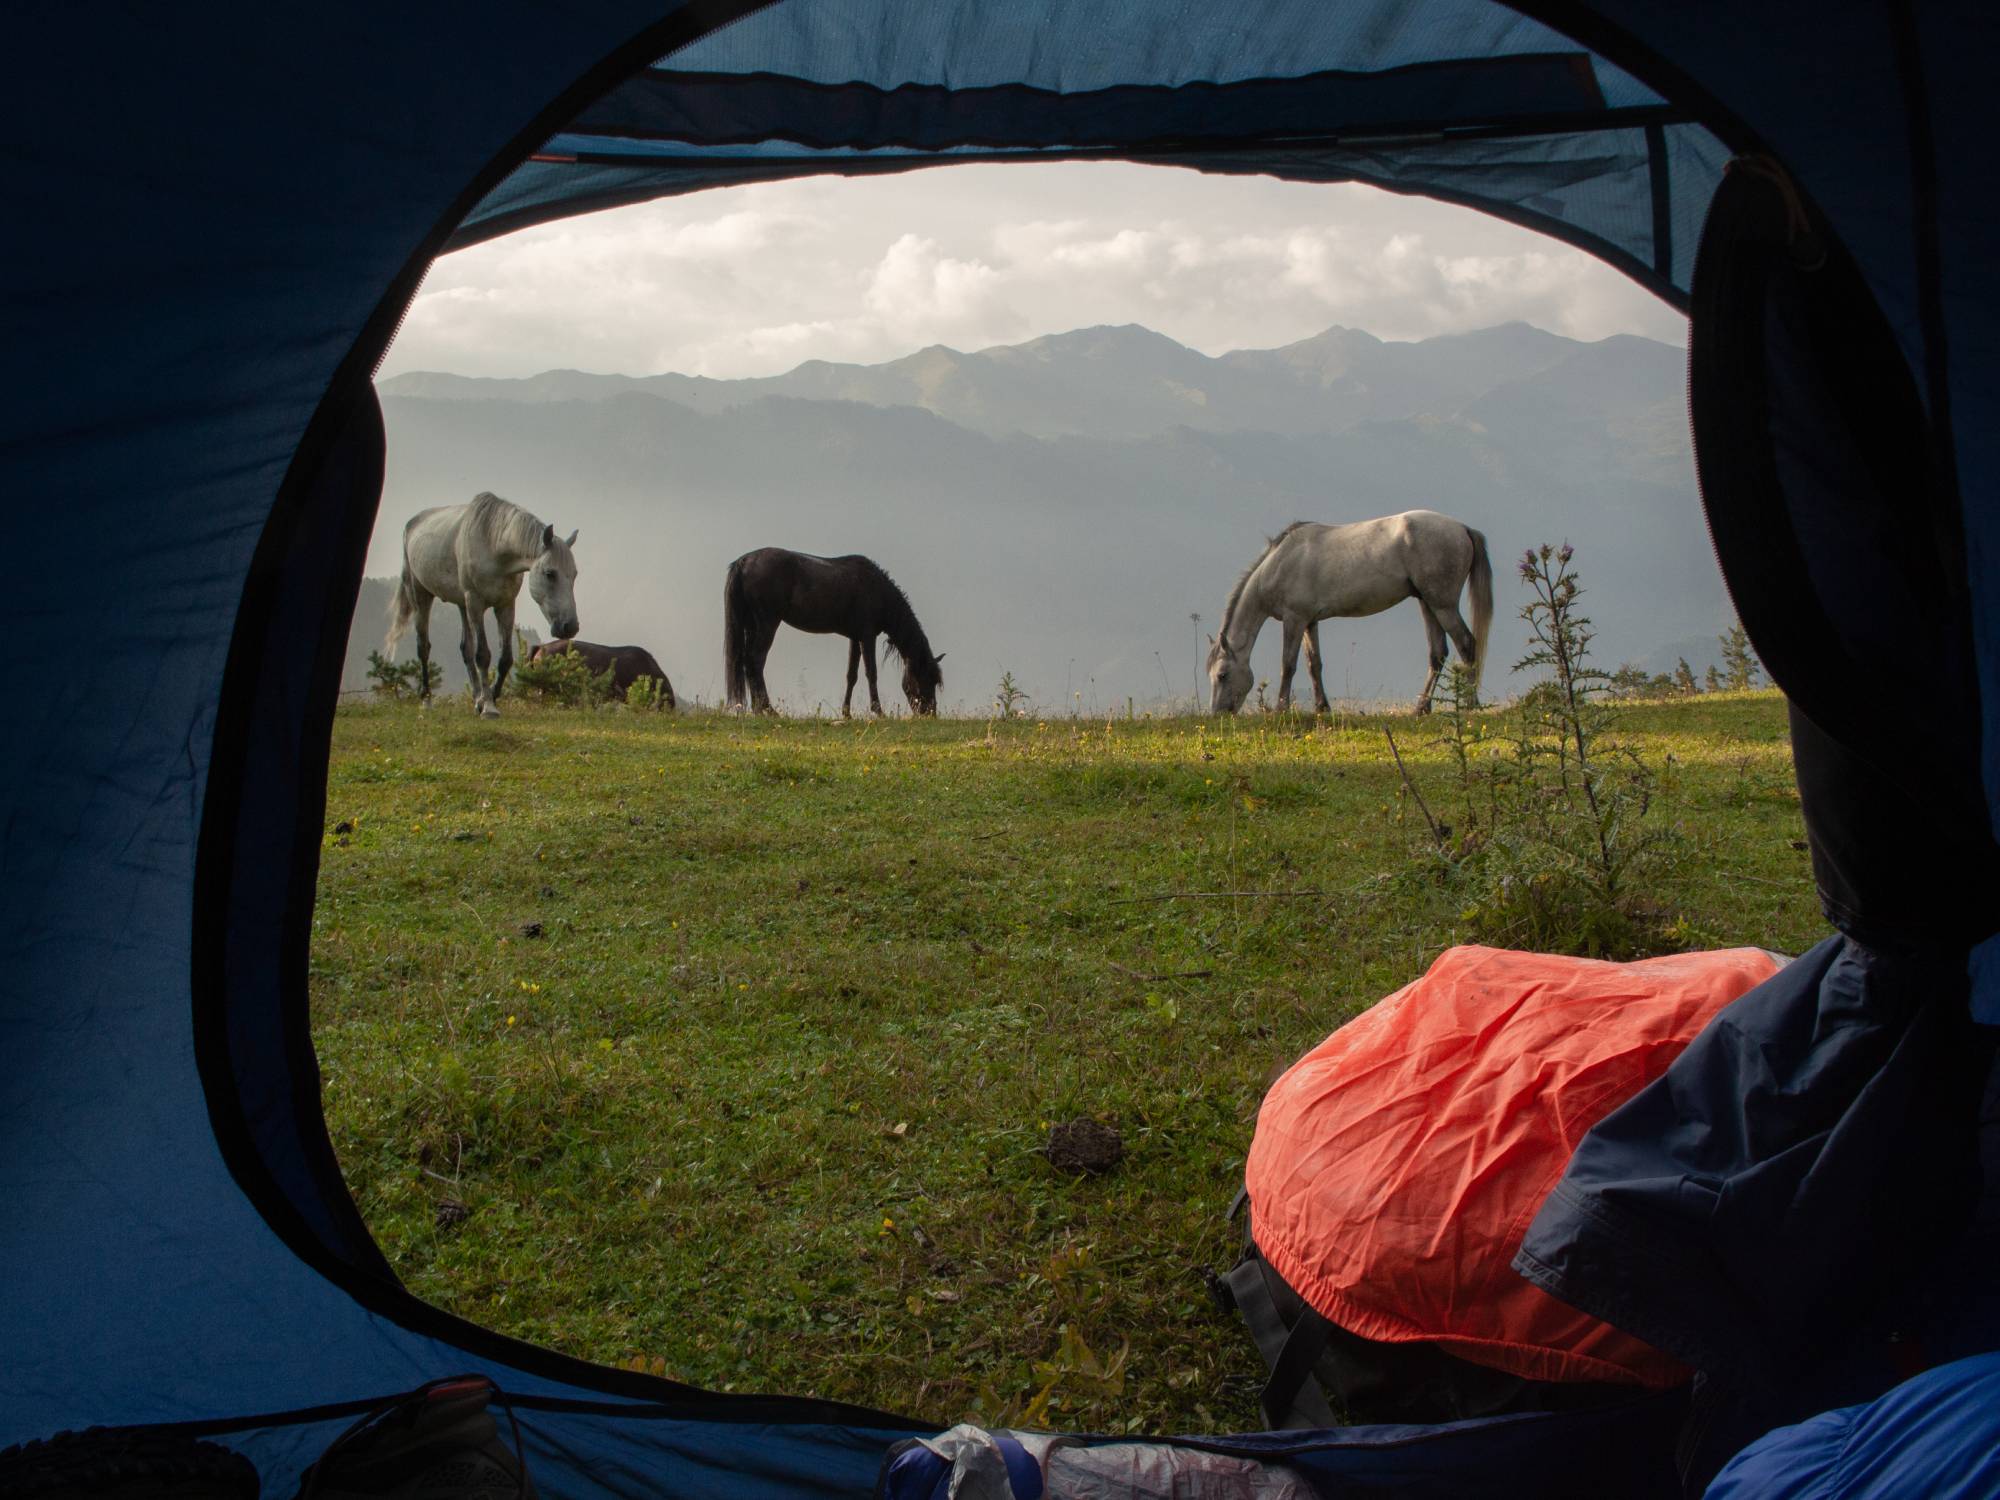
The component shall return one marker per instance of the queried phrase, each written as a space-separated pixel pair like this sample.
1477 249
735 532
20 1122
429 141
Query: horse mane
506 523
901 632
1236 593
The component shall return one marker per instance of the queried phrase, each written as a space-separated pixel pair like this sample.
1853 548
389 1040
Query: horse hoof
488 711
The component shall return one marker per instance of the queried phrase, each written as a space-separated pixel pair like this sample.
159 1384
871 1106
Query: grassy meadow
728 1048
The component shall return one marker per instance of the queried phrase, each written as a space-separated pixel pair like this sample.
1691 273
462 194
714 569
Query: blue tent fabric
1472 102
1934 1437
217 217
1714 1214
597 1448
696 109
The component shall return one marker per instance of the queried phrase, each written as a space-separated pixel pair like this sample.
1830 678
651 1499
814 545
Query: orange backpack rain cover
1396 1166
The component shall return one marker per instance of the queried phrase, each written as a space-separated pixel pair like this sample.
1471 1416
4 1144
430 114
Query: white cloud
917 285
1128 252
753 280
736 234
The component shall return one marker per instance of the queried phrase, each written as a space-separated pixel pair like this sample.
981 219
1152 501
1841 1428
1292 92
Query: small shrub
384 675
644 693
1740 667
1634 681
1009 701
401 679
562 677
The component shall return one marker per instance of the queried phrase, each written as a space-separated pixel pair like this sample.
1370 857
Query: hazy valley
1058 509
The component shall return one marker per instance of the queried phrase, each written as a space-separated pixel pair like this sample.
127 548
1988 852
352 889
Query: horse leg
1445 619
503 626
465 655
868 657
422 616
482 697
853 671
1313 660
1289 663
1434 635
761 634
1461 634
488 687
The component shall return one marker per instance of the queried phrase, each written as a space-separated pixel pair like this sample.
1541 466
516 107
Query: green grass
761 1106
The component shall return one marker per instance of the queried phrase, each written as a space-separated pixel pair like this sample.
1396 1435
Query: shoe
437 1443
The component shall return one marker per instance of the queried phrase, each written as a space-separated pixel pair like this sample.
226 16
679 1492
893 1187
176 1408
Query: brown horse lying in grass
626 663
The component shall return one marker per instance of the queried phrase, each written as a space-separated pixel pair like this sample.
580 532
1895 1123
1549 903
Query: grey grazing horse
1310 573
475 556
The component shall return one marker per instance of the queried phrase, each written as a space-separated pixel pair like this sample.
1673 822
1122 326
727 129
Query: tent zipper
401 318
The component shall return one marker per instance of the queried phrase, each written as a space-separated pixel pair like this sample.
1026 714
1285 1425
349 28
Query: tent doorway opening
733 1049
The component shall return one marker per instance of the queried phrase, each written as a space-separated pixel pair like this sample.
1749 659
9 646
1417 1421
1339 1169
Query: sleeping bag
1396 1166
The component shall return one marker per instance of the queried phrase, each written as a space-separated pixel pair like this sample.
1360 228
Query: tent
218 215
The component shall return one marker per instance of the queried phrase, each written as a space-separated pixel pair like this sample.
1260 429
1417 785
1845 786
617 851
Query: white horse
1310 573
475 556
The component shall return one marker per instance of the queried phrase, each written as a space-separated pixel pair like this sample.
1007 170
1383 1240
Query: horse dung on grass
1308 573
848 596
475 556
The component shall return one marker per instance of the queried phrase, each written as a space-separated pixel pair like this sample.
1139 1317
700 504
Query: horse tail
735 636
401 612
1481 582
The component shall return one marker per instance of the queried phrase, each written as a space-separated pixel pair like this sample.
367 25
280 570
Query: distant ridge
1058 508
1121 381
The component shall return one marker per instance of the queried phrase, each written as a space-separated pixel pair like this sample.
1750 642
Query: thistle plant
1590 790
1467 740
1562 866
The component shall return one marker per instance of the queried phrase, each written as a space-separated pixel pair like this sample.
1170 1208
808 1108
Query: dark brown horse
847 596
627 665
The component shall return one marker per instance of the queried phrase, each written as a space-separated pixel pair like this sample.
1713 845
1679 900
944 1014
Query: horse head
552 583
921 681
1229 677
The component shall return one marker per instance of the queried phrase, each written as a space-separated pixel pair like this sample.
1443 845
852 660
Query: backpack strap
1292 1397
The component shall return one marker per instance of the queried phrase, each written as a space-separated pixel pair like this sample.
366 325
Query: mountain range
1061 509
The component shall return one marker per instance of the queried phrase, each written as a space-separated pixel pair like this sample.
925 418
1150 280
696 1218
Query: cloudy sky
751 281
